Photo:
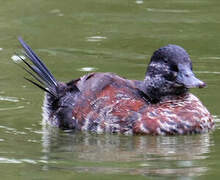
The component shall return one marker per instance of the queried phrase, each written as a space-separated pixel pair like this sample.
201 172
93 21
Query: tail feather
38 85
41 85
43 75
28 71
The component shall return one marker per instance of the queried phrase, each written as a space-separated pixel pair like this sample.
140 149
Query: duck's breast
181 115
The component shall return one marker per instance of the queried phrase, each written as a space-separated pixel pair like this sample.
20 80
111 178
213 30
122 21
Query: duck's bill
187 79
191 82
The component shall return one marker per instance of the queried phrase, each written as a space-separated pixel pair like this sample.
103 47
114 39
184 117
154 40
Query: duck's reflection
146 155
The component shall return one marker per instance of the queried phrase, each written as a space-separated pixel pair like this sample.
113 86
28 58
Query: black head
170 72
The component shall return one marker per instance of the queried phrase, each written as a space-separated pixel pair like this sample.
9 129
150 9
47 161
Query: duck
161 104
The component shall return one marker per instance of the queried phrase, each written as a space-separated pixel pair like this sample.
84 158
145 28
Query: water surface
76 37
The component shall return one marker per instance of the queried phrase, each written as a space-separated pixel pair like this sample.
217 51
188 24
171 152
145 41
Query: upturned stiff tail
39 71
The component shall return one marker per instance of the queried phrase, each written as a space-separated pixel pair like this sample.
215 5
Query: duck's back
109 103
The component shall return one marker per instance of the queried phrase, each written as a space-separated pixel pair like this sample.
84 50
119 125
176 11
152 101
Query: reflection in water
217 121
154 155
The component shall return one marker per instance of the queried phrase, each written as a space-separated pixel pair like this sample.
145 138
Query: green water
116 36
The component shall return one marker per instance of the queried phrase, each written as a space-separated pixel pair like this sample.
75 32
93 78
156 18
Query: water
77 37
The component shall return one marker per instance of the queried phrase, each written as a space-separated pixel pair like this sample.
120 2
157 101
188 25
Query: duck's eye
174 68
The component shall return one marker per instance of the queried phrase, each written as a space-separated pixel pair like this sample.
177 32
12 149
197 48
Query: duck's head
170 73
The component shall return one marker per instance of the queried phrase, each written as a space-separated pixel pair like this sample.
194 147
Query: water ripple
212 57
96 38
7 160
87 69
11 108
10 99
29 161
56 12
4 160
168 10
12 130
17 58
139 1
207 72
217 121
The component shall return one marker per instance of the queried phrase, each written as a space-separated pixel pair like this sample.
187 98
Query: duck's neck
158 88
